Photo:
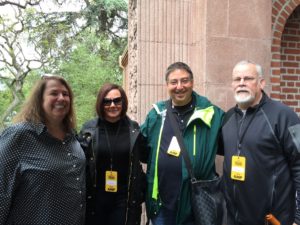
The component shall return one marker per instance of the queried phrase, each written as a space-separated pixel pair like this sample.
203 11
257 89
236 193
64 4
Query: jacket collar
204 110
205 115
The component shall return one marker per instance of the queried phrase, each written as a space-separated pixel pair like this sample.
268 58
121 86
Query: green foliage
5 99
86 71
82 45
29 82
6 96
108 16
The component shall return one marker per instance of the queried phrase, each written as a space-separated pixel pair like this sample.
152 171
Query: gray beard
244 101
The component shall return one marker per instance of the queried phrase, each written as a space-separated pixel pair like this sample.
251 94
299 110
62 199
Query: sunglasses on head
116 101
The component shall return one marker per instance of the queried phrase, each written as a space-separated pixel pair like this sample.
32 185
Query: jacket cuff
297 216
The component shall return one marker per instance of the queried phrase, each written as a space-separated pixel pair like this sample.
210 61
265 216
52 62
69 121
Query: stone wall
211 36
131 78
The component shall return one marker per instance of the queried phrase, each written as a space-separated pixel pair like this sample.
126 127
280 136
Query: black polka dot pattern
42 179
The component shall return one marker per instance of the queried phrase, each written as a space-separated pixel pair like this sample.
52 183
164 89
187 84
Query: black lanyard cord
241 137
110 147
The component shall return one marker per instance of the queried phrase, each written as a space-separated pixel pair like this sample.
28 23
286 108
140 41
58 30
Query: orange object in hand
271 219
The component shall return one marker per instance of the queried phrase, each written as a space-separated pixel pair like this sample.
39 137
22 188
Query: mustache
179 91
242 90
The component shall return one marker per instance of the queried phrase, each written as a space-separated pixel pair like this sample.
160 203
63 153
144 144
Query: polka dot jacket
42 179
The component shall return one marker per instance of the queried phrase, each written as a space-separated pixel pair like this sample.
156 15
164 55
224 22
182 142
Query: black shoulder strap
179 137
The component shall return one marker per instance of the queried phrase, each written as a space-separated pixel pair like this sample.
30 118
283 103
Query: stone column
132 60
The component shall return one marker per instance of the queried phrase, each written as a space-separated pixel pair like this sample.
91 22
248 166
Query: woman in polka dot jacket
42 165
114 149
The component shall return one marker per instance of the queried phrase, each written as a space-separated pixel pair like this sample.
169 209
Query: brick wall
285 74
290 62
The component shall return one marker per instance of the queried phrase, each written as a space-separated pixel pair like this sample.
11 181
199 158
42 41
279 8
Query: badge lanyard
238 163
111 177
109 143
241 137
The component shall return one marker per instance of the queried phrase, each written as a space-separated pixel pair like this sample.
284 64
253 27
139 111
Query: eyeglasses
182 81
245 79
116 101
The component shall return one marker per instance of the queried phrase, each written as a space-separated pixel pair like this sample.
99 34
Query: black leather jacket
136 179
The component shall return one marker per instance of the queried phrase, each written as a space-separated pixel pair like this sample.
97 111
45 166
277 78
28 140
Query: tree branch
19 5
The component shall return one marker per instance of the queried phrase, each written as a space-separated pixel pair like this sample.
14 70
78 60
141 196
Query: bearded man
261 145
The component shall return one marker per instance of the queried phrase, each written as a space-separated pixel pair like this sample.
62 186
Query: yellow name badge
238 168
174 148
111 181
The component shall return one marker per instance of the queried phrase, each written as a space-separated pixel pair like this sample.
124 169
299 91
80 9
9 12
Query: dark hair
32 110
176 66
103 92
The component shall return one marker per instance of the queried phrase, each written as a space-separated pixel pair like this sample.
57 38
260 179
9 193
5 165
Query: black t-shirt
183 114
169 167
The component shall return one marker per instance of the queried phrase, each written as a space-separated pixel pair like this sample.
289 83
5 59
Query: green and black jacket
201 139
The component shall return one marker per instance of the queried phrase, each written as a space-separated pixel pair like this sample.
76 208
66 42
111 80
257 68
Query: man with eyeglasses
261 147
168 192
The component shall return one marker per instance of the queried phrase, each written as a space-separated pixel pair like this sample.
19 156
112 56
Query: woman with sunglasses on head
42 165
114 150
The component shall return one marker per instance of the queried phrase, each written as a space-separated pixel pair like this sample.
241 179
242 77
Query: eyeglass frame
246 79
183 81
109 101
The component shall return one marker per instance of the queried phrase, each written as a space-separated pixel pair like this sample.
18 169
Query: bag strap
179 137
